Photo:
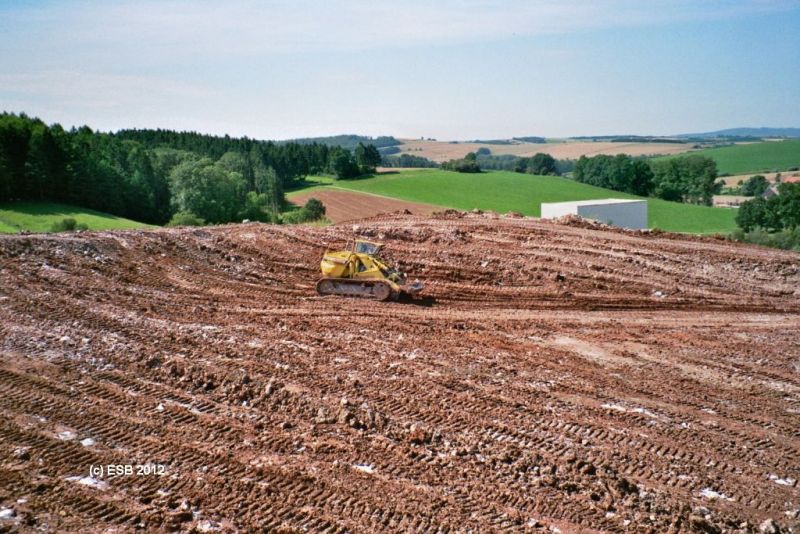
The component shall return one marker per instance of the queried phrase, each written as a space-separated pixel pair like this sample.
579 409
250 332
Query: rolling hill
502 192
745 132
754 157
40 216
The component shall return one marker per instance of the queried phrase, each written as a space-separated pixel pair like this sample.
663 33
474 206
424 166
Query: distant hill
746 132
347 141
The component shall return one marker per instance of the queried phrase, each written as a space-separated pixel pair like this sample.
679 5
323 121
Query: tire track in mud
560 376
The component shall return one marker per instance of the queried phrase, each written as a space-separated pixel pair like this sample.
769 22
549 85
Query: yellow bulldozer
359 272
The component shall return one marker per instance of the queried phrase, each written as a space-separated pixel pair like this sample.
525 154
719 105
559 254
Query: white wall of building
616 211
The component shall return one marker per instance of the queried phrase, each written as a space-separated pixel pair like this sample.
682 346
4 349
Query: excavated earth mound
555 377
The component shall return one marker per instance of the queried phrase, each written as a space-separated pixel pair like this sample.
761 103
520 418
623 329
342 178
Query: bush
468 164
185 218
67 224
786 239
313 210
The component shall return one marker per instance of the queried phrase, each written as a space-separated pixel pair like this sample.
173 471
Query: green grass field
766 156
503 191
39 217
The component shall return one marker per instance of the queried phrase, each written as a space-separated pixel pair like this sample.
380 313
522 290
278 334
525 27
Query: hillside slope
754 157
40 216
554 376
502 192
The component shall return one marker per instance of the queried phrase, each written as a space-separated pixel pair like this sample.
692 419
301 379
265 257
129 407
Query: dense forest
154 175
348 142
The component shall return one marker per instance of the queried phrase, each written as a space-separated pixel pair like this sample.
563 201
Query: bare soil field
556 377
442 150
349 205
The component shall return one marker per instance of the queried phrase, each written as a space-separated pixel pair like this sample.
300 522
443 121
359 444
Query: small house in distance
615 211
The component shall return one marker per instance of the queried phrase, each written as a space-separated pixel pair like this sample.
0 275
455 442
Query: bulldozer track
562 376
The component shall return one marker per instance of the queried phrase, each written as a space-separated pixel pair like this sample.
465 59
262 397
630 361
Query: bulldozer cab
366 247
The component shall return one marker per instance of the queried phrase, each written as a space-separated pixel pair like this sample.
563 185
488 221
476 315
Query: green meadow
40 216
753 157
503 191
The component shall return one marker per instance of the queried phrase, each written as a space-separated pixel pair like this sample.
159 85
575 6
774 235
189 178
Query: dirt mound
554 377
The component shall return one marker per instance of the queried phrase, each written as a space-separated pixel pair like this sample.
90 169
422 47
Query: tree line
691 179
153 175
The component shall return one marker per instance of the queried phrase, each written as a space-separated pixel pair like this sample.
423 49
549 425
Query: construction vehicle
359 272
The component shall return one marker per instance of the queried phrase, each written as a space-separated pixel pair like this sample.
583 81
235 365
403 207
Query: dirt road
556 377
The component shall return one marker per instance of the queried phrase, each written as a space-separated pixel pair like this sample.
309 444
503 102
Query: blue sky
446 69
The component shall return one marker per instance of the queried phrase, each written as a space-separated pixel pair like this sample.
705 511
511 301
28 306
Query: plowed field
343 206
556 377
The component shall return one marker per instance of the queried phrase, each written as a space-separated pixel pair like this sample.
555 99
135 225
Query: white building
617 211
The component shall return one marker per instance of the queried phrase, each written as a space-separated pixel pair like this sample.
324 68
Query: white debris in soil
22 500
642 411
89 481
616 407
87 442
208 526
7 513
623 409
160 407
66 435
782 481
366 468
709 493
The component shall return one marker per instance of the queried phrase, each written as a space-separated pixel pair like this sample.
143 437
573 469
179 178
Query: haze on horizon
449 70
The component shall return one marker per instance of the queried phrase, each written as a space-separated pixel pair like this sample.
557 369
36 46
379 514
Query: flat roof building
620 212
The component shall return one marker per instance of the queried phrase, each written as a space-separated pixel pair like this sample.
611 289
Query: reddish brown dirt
343 206
556 376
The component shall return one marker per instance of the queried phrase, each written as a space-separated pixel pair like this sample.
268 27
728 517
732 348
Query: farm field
40 216
502 191
556 377
755 157
733 181
442 150
341 205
